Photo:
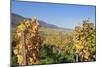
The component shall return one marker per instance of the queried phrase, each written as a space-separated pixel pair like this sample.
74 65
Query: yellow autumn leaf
20 59
84 51
21 27
31 60
86 57
15 51
78 46
27 23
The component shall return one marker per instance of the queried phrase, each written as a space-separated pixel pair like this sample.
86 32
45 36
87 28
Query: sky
62 15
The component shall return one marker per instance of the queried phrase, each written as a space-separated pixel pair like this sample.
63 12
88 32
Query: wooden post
24 50
76 57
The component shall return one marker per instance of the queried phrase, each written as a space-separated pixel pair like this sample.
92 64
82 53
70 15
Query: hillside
15 19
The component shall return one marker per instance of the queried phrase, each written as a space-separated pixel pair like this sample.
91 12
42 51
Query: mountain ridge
15 20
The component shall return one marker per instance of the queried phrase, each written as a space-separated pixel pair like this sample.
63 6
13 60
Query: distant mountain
15 19
44 24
